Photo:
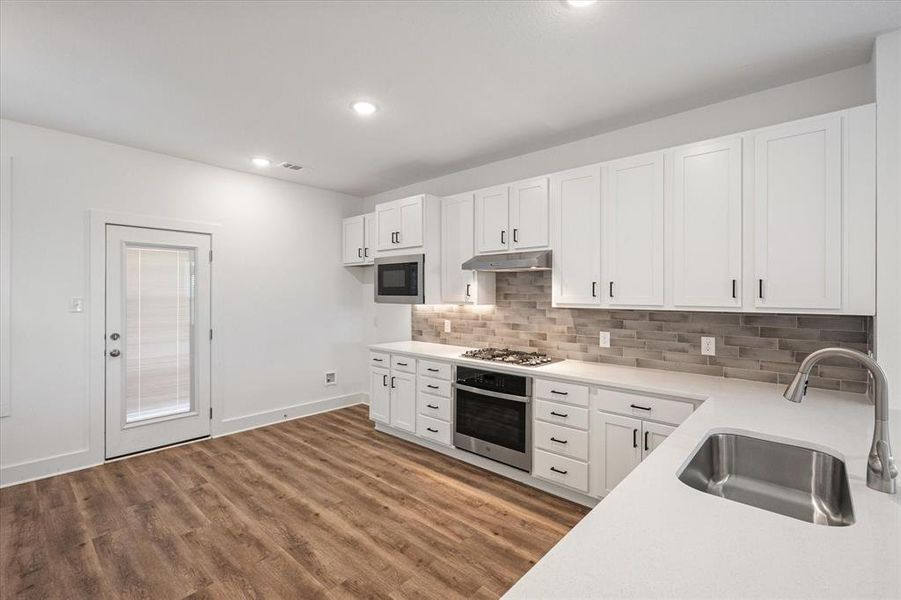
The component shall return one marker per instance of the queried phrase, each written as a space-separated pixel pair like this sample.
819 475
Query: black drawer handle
432 387
556 470
733 289
553 439
647 408
432 370
432 430
384 381
377 359
594 289
435 406
635 438
562 415
560 393
403 364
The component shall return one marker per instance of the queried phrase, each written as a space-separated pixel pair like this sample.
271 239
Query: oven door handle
474 390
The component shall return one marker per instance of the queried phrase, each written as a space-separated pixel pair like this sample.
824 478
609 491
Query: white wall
290 311
887 59
835 91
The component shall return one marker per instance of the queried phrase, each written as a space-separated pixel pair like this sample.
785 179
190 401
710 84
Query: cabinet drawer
435 369
379 359
434 406
554 412
570 393
561 440
643 407
433 429
561 470
403 363
436 387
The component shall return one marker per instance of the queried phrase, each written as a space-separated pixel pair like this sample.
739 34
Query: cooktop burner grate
513 357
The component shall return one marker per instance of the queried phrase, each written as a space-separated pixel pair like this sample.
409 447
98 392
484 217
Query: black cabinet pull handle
392 382
503 241
431 369
556 414
432 430
556 470
594 289
760 288
398 237
611 289
553 439
359 253
647 408
635 438
392 237
434 406
733 288
468 285
384 381
432 387
402 364
646 441
377 359
515 234
366 252
560 393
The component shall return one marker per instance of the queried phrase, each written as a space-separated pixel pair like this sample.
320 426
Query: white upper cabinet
457 285
633 231
492 220
529 212
707 224
353 236
399 224
798 215
576 208
369 238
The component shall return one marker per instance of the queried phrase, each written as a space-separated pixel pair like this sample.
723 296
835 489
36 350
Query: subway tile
668 336
833 322
751 374
750 341
618 360
843 373
769 320
767 354
640 353
790 333
642 325
684 367
844 336
735 363
664 345
856 387
781 367
685 357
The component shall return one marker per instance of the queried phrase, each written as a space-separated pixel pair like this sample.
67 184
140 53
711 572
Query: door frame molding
97 220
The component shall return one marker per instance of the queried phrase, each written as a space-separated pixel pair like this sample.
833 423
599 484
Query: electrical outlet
447 327
331 378
708 346
604 339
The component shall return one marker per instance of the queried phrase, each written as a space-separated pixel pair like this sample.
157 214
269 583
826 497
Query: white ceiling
460 83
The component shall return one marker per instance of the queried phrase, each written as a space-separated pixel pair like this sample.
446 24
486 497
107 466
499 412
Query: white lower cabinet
433 429
652 434
560 469
379 394
562 440
403 400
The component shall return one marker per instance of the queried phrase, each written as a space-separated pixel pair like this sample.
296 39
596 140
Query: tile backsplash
760 347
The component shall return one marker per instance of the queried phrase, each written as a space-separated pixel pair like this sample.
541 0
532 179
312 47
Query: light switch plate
331 378
604 339
708 346
447 326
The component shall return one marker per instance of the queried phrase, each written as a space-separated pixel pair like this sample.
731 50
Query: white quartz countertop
655 537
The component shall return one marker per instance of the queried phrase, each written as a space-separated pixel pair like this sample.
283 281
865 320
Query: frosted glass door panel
159 318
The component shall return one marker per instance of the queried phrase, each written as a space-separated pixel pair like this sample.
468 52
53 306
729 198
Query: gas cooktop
513 357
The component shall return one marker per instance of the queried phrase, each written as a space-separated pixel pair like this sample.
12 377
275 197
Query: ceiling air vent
291 166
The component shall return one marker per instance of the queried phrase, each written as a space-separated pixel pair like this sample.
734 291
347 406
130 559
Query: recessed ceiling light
260 162
364 108
581 3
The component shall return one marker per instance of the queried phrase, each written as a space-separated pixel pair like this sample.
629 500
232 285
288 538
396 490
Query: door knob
114 353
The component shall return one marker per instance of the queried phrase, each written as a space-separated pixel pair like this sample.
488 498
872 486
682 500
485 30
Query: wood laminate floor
322 506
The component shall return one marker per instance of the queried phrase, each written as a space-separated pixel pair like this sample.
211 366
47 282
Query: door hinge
211 334
211 256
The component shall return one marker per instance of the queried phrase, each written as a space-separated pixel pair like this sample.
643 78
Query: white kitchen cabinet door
492 220
403 400
529 213
353 234
409 231
456 248
633 230
576 205
616 450
379 395
798 215
387 218
652 434
370 238
707 208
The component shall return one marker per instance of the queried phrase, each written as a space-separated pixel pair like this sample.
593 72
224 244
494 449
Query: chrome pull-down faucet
881 470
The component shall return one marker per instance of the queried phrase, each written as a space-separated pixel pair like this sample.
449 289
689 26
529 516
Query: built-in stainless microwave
399 279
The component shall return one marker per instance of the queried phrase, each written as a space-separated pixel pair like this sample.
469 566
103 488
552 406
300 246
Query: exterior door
157 338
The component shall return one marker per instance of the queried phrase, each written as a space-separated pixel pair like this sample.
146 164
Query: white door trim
97 221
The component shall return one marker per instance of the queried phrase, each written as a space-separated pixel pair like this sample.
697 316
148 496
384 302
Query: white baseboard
47 467
269 417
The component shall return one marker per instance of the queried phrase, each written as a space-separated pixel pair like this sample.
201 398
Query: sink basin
789 480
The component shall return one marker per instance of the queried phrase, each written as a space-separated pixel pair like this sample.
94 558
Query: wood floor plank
319 507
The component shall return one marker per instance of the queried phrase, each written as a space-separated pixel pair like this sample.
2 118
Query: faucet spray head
797 388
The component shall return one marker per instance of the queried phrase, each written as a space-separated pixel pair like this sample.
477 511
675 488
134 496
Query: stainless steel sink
796 482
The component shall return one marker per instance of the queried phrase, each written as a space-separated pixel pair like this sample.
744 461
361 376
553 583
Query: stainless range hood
515 261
